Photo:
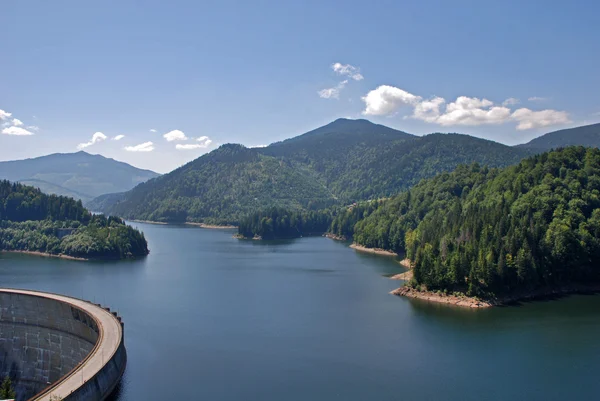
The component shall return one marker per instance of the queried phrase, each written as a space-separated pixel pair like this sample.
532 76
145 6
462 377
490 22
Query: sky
157 84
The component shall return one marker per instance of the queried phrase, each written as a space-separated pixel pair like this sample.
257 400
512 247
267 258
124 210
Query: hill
31 221
79 175
359 160
587 135
491 233
220 187
342 162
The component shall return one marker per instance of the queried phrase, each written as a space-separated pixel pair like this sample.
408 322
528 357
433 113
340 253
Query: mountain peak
587 135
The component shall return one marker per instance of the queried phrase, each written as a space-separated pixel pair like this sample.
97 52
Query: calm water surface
210 317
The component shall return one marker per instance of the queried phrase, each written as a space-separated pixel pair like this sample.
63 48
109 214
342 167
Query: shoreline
335 237
210 226
45 254
476 303
149 222
376 251
187 223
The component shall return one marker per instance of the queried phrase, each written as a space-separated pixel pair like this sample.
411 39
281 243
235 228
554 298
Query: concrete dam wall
52 345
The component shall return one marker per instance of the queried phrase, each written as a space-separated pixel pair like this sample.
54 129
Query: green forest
33 221
341 163
488 232
481 231
220 188
279 223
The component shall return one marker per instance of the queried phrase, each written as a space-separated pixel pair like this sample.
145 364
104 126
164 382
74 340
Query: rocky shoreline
376 251
211 226
201 225
45 254
473 302
335 237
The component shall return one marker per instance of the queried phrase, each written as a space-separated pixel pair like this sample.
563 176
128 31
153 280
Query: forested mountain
491 232
359 160
33 221
587 135
343 162
221 187
79 175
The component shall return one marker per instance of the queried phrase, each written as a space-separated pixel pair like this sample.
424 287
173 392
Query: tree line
33 221
478 230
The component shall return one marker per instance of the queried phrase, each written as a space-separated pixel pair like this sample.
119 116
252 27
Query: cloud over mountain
470 111
97 137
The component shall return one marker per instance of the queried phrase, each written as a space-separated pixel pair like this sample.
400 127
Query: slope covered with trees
491 232
359 160
220 188
33 221
341 163
587 135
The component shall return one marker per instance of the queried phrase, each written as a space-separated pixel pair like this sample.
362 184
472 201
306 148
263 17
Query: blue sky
262 71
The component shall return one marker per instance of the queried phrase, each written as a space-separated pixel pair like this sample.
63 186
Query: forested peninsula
33 222
490 234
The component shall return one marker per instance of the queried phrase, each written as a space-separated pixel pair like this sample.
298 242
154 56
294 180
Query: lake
211 317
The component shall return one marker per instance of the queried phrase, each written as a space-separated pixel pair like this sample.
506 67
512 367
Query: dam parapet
52 345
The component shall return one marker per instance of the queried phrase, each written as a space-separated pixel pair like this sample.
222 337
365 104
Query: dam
57 347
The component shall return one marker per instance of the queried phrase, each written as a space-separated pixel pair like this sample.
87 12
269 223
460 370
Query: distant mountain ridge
342 162
587 135
79 175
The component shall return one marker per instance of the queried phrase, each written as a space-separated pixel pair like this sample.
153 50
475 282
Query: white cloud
18 131
511 101
258 146
33 127
142 147
118 137
428 110
347 70
97 137
16 122
4 115
529 119
189 146
537 99
387 99
205 141
332 93
473 111
175 135
152 130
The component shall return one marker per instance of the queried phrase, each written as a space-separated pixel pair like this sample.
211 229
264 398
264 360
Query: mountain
342 162
587 135
220 187
529 228
79 175
31 221
372 161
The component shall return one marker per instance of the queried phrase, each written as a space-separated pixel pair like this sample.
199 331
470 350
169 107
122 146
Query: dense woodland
341 163
278 223
491 232
220 188
485 232
33 221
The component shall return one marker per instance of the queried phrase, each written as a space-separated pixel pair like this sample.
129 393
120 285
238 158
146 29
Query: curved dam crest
54 345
